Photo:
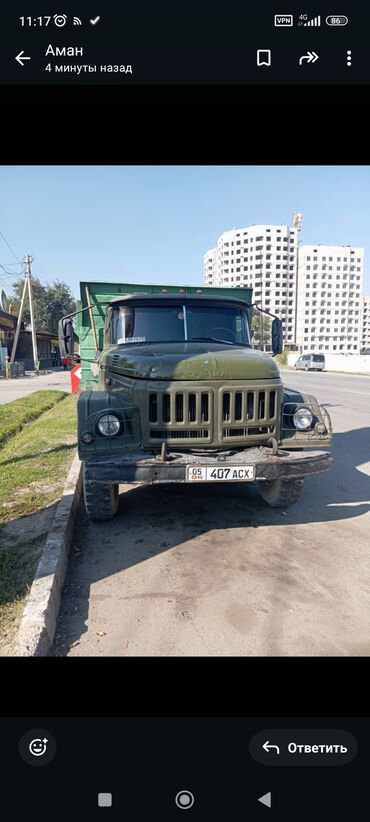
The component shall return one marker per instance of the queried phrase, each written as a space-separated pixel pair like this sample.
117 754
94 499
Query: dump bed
97 293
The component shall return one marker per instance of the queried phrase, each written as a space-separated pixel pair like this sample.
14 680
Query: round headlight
109 425
302 419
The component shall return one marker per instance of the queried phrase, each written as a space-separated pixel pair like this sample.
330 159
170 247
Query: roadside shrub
282 358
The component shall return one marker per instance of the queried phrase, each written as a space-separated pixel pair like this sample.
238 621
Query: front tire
281 493
101 501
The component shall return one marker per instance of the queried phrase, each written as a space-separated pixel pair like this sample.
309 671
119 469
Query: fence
351 363
16 369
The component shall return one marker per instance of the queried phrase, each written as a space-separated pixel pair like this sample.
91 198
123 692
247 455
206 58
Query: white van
310 362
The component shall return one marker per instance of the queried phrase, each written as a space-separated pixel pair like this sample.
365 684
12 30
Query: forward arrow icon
311 57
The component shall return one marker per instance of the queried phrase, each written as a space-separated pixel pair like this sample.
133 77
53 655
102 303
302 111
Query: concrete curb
37 629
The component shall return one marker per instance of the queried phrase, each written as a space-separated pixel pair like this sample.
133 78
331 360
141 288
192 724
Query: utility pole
27 285
15 342
33 332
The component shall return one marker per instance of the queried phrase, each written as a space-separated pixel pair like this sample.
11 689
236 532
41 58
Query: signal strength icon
77 21
316 21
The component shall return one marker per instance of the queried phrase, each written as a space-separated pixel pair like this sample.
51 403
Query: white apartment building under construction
261 256
315 290
330 282
365 337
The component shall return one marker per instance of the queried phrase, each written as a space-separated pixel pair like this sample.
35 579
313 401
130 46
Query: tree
50 303
261 327
39 300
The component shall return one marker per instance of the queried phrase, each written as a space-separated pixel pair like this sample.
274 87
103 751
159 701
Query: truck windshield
178 323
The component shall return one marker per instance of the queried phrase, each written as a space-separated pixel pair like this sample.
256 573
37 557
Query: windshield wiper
209 339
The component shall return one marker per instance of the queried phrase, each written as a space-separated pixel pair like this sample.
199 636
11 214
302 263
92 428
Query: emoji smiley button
37 747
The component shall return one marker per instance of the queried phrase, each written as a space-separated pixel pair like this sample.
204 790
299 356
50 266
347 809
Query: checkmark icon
95 21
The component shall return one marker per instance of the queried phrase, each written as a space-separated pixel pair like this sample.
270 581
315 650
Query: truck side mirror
65 337
277 336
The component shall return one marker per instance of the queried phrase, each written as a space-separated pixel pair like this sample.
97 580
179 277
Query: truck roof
140 295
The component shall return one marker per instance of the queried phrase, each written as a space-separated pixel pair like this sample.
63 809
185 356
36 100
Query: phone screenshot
189 769
184 412
197 45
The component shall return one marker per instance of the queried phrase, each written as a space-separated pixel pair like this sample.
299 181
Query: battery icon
337 20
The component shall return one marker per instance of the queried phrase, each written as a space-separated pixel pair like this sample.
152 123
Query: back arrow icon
20 57
267 747
311 57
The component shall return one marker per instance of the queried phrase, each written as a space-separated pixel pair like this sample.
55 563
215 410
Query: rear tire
101 501
281 493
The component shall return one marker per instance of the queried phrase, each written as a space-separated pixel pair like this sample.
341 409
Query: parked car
310 362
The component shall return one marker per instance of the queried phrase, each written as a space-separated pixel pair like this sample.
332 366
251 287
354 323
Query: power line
10 248
10 275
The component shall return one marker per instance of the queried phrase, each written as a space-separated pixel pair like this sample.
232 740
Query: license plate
233 473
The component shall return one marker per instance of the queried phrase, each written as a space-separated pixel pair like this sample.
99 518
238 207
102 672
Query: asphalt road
213 571
15 388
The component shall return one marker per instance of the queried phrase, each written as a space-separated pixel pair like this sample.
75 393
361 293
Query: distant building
365 336
47 344
315 290
330 282
264 257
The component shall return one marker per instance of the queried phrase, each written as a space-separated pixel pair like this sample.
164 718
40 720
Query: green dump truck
173 391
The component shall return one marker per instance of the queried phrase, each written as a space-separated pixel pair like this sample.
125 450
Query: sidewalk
55 379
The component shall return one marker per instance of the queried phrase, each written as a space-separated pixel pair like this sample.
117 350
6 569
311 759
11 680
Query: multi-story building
329 298
322 312
261 256
365 337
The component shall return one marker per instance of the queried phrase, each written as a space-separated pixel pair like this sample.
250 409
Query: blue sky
154 223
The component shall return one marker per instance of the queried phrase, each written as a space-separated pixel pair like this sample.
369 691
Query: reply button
303 747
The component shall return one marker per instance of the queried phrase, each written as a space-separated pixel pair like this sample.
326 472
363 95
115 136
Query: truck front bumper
138 468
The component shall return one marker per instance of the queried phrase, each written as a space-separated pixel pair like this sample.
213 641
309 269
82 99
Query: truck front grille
184 434
177 415
248 413
248 432
214 415
179 408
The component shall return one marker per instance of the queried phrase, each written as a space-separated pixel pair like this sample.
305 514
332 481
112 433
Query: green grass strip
34 465
16 414
17 570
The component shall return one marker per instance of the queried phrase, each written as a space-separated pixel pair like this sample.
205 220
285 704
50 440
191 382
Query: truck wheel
281 493
101 501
